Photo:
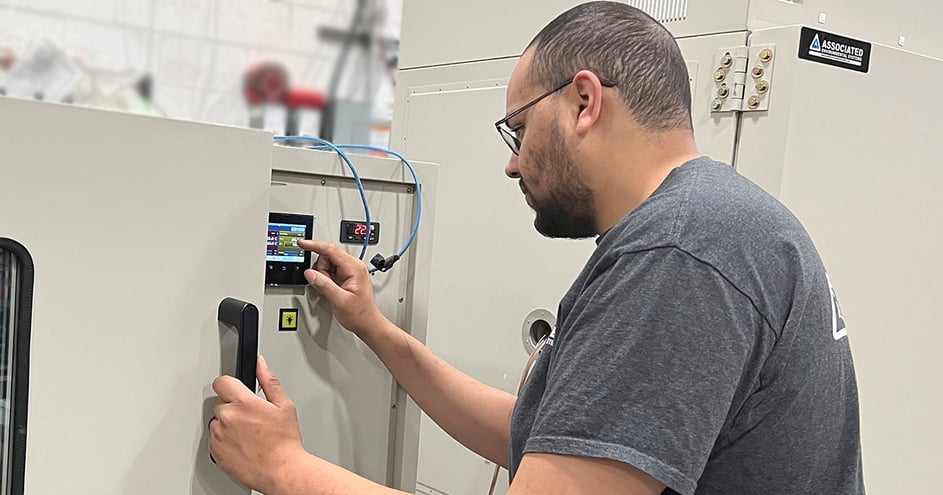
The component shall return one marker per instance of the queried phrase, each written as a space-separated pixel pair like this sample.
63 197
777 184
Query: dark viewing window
16 298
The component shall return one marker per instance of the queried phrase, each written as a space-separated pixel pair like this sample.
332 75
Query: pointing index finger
316 246
331 253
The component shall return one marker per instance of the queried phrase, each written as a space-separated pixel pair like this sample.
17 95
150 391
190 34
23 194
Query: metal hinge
743 78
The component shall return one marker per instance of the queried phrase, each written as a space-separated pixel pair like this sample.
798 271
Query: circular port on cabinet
538 324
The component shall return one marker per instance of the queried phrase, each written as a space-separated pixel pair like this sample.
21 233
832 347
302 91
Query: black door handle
245 318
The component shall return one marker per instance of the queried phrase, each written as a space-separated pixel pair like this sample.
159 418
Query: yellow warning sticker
289 319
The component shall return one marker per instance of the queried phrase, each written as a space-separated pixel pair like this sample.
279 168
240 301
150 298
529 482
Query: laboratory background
152 151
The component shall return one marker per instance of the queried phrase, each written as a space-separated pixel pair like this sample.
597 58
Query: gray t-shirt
703 344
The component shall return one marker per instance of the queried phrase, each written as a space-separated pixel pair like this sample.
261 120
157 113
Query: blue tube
363 194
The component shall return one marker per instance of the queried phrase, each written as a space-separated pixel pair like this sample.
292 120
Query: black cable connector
383 264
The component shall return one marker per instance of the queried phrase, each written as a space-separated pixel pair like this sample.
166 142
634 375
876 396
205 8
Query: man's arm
475 414
543 474
258 443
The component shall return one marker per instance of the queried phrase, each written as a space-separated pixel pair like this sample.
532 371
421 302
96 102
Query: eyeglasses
510 135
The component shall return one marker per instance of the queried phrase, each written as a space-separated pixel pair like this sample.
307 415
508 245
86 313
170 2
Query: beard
567 210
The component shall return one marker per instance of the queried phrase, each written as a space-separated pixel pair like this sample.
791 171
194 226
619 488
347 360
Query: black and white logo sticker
839 331
832 49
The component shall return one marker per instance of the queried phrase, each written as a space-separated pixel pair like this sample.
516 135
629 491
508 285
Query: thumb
324 285
272 388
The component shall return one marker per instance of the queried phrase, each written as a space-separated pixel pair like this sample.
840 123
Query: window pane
7 308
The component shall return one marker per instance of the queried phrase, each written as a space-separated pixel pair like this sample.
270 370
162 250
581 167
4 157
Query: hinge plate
743 78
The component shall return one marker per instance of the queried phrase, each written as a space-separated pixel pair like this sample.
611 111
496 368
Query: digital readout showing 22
355 232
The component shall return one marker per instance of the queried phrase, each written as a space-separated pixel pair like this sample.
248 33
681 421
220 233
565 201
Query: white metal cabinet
138 228
439 33
350 410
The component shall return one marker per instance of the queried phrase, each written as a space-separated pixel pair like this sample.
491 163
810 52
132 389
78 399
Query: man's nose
511 169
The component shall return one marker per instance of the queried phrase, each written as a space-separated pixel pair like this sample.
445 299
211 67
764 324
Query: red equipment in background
277 107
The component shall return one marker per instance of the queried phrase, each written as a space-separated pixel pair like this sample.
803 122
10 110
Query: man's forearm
310 475
475 414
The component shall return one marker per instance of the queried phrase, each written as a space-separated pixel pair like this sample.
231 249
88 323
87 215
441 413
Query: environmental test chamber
121 235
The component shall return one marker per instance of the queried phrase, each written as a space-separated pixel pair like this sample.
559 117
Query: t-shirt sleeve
645 365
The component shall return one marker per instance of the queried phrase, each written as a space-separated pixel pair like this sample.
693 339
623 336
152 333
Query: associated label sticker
832 49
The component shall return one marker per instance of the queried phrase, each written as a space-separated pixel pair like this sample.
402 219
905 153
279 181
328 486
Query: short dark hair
624 46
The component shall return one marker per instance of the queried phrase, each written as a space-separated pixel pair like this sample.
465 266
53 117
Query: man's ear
589 91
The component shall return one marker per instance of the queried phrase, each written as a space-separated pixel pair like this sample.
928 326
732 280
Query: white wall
197 50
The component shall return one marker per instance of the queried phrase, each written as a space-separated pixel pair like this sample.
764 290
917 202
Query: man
698 351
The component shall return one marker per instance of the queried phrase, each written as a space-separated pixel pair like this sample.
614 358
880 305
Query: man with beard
697 352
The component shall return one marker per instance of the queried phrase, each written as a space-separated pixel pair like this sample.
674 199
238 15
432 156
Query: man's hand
253 439
345 282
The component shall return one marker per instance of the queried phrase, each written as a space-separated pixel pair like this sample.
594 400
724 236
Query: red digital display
355 232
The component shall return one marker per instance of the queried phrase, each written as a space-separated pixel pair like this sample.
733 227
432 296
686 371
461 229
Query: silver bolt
716 105
323 182
726 61
758 71
723 91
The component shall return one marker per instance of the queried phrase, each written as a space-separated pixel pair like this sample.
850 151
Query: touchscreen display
283 242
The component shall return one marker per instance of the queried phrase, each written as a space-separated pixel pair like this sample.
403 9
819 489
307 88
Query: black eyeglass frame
507 134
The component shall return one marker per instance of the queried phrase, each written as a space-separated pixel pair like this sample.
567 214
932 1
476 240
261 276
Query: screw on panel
758 71
401 299
720 75
723 91
409 190
766 55
323 182
762 86
726 61
754 101
716 105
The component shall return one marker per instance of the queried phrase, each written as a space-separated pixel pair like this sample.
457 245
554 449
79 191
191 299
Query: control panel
354 232
285 261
